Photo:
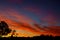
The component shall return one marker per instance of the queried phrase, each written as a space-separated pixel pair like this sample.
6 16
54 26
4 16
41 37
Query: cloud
32 8
17 21
21 22
49 19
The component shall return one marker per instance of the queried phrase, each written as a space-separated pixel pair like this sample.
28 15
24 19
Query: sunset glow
30 18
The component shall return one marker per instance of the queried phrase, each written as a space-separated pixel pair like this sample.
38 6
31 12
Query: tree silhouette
13 33
4 28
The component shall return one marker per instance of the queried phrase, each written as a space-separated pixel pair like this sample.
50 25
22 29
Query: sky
44 12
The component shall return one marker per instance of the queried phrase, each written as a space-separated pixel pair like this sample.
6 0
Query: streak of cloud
18 22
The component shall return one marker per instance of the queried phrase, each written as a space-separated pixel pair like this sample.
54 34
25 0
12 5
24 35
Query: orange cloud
22 22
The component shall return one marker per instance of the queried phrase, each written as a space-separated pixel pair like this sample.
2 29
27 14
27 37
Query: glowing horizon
25 25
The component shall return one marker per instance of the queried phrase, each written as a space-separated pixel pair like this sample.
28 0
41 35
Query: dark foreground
4 30
34 38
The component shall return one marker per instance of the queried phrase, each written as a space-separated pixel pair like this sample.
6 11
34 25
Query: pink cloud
50 19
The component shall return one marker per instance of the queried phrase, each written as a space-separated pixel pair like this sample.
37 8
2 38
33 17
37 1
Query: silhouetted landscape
4 30
42 37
